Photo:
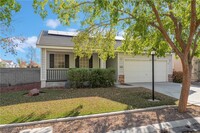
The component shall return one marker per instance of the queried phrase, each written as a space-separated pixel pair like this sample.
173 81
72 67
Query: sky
27 24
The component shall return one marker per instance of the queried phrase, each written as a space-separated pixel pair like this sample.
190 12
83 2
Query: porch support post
102 63
43 69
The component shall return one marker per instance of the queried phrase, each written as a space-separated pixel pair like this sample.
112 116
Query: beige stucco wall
113 63
195 70
177 64
95 61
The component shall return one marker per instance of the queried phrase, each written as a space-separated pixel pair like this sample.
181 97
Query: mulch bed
28 86
116 122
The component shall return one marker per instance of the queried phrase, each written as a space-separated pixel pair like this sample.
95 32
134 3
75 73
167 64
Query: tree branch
178 28
125 12
105 23
82 3
192 27
155 25
197 23
195 44
162 30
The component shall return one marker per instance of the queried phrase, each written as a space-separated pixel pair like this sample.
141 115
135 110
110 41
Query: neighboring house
57 56
23 64
33 64
177 66
7 64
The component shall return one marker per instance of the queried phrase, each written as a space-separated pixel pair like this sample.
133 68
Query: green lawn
57 103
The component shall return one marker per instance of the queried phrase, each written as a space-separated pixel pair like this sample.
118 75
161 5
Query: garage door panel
141 71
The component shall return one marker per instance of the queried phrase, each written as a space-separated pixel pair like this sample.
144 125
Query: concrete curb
84 117
159 126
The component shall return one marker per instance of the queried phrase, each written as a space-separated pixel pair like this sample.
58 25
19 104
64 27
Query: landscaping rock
34 92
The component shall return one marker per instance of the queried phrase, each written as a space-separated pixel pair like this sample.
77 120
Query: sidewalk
185 125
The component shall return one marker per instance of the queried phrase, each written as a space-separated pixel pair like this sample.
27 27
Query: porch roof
46 39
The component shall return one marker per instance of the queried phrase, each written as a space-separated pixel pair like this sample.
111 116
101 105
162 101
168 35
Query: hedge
177 77
95 77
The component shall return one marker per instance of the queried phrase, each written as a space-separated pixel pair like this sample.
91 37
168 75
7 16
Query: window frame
66 65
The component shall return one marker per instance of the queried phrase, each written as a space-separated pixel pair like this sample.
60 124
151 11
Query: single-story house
177 66
57 56
7 63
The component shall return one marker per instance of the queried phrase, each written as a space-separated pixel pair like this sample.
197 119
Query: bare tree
31 55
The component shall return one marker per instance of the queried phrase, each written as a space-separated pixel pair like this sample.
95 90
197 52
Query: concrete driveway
173 90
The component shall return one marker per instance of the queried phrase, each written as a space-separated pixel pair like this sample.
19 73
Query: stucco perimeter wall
177 65
195 70
16 76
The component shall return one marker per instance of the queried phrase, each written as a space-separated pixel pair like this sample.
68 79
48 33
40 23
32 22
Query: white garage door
141 71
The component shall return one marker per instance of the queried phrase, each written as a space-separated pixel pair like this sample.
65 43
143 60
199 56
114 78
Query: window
84 62
59 61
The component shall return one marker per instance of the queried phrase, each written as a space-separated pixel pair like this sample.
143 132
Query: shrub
82 77
77 77
102 77
177 77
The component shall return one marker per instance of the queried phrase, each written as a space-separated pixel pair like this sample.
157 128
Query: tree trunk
187 68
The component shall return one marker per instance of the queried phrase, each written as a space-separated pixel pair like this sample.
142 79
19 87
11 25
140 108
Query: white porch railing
57 74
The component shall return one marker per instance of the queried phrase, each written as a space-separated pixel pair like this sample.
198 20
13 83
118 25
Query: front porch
56 62
56 74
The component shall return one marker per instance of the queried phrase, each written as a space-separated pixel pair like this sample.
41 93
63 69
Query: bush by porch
83 77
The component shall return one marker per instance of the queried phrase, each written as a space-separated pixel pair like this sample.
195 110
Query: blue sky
29 25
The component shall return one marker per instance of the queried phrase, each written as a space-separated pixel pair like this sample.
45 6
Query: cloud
29 42
52 23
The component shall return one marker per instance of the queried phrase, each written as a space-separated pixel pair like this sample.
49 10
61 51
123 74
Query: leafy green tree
2 65
7 9
160 25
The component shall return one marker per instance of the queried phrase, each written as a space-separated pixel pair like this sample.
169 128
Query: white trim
38 40
63 33
45 55
117 80
55 47
43 63
61 50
